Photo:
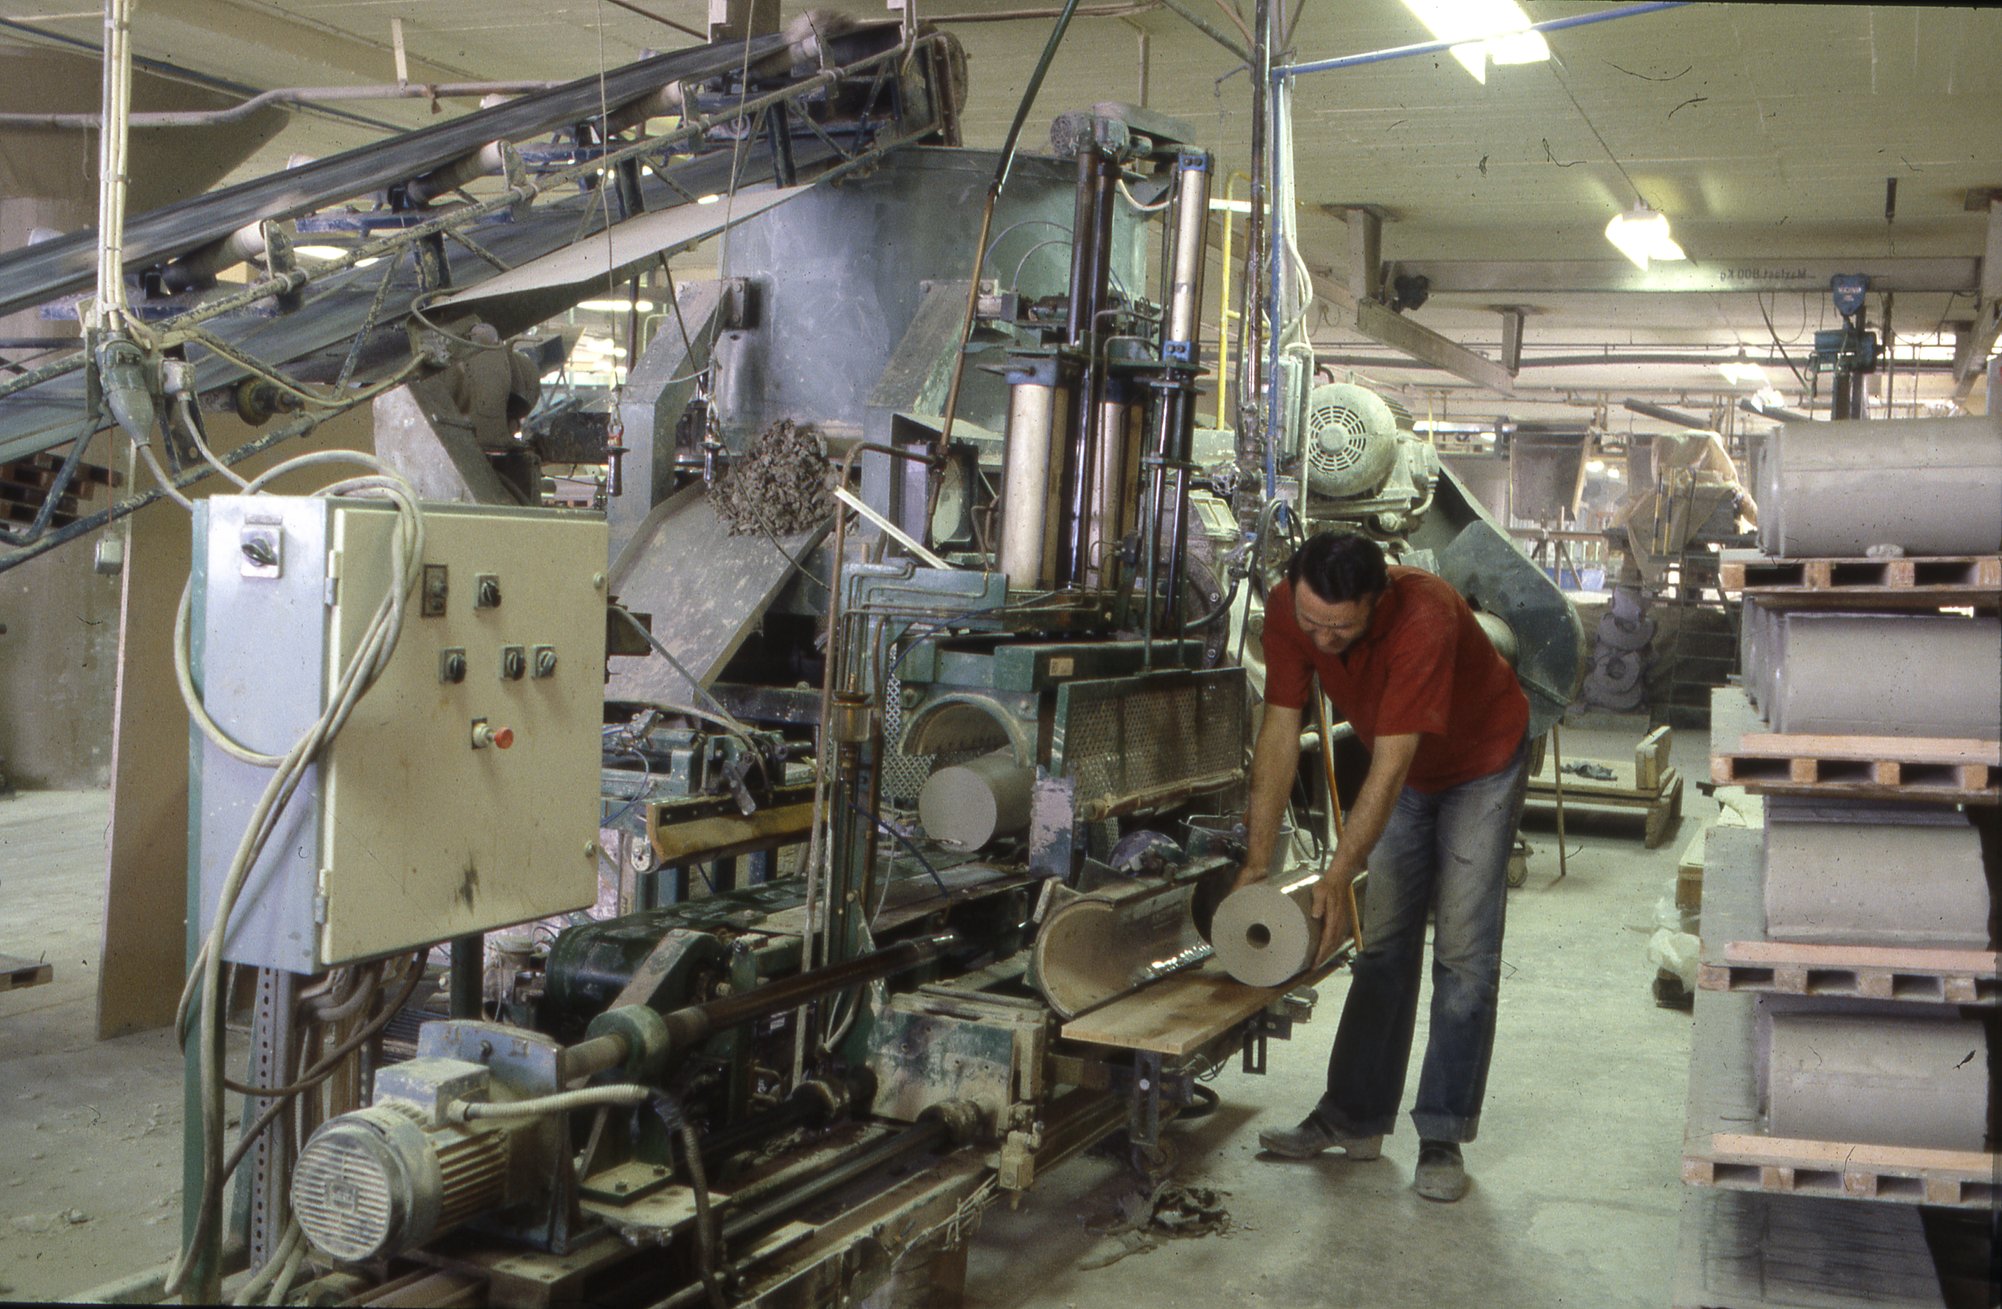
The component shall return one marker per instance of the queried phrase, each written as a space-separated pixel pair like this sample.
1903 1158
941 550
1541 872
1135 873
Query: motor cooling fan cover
1351 440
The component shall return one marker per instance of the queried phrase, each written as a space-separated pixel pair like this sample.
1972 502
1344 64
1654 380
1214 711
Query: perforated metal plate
1126 737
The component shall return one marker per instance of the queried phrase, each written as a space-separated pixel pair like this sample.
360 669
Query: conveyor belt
39 273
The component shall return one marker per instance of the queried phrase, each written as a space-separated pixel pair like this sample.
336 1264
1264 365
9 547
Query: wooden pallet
1659 809
1959 1179
16 972
1864 767
1922 583
1915 974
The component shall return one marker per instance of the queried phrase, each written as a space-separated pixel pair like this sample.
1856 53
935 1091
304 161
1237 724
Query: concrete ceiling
1766 132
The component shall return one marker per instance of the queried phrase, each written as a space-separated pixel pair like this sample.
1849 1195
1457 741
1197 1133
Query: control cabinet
463 793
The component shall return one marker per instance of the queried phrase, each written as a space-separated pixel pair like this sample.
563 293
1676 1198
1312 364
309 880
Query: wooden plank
723 835
1905 749
1622 785
144 951
1657 812
1183 1012
17 973
1651 756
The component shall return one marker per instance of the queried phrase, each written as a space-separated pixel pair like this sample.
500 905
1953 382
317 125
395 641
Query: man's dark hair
1338 567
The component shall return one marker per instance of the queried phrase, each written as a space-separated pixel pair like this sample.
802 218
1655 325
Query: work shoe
1313 1136
1441 1174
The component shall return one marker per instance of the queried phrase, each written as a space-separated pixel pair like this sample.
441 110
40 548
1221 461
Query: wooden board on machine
1914 974
1184 1011
1865 767
1959 1179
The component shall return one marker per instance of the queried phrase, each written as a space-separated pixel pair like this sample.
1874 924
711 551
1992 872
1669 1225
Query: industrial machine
967 726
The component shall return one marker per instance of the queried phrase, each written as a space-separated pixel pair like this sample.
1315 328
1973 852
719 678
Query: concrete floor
1574 1201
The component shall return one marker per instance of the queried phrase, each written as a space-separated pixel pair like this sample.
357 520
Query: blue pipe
1434 47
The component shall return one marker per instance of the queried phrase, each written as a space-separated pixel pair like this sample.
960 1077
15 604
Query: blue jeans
1448 851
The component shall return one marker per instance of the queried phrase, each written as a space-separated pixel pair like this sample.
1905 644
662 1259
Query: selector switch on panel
437 589
514 662
542 661
452 665
486 591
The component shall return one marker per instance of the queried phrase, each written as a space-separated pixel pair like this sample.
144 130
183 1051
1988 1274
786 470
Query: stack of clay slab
1885 877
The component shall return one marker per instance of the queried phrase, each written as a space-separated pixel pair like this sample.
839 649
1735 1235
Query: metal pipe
815 1102
1021 15
1435 47
920 1137
994 187
469 976
288 95
1776 413
1667 415
1190 245
1038 417
695 1023
1194 19
1090 283
1115 468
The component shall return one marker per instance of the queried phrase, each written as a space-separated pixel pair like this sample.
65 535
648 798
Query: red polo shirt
1424 665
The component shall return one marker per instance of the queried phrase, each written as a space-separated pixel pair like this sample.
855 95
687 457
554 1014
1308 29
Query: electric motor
1351 440
375 1182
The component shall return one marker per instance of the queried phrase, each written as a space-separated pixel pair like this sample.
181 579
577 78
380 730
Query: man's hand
1331 907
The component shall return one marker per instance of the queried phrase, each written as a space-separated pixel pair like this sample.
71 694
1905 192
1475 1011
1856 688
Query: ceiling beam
1971 347
1562 276
1385 326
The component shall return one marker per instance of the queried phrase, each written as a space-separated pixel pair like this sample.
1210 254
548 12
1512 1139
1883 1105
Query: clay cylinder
1887 675
1264 934
968 805
1929 485
1875 883
1916 1081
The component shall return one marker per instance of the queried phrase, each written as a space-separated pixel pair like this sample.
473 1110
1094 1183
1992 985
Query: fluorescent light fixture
707 199
1744 374
369 262
616 306
1483 30
1641 234
1769 398
1595 465
318 251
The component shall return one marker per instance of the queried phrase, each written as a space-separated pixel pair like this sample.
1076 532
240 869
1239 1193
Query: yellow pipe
1226 315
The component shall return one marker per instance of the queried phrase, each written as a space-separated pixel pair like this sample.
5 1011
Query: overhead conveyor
758 116
42 272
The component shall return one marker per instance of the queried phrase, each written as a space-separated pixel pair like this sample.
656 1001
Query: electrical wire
200 998
620 1093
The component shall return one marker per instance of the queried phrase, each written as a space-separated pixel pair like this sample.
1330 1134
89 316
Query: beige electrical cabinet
463 793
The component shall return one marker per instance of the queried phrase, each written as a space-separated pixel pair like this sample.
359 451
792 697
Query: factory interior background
634 649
